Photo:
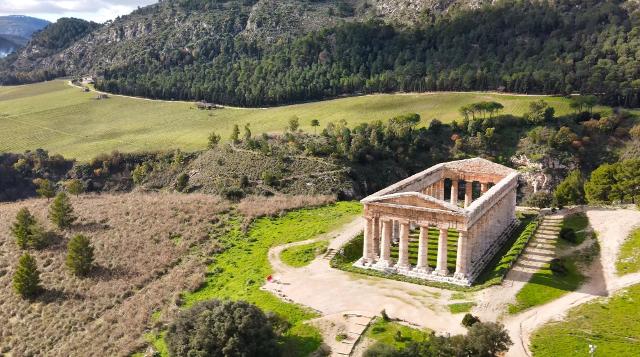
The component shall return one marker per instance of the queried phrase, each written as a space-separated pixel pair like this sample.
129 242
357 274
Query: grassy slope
611 324
544 285
64 120
241 269
302 255
629 258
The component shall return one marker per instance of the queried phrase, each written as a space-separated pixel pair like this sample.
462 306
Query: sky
94 10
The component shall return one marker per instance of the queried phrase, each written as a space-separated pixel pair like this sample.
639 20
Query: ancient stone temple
458 213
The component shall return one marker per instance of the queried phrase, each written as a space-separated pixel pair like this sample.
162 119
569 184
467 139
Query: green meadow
64 120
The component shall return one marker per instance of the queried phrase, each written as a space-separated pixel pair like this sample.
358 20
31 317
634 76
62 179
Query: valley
65 120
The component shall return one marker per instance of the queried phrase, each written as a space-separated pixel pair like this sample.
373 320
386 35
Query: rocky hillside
269 52
168 28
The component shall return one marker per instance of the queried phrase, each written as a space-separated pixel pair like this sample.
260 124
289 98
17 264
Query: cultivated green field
65 120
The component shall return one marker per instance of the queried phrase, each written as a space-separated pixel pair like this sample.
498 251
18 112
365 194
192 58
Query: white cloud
96 10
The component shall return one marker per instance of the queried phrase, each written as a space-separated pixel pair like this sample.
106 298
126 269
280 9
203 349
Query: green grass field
65 120
242 268
629 258
394 334
461 307
611 324
302 255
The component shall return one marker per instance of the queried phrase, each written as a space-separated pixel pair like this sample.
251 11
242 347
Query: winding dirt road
333 292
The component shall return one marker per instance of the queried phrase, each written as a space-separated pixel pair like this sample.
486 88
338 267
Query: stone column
454 192
396 230
403 253
385 248
484 187
367 246
468 193
376 237
441 265
462 261
423 249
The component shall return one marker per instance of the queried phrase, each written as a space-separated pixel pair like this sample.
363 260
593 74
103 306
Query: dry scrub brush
146 252
253 207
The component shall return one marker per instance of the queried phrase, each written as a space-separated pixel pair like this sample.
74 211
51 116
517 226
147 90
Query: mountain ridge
267 52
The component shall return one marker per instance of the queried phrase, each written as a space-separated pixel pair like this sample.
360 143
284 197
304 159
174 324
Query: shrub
45 188
214 140
381 350
469 320
61 211
222 328
569 235
570 190
385 317
74 186
540 199
26 280
79 255
487 339
557 267
22 228
181 182
27 231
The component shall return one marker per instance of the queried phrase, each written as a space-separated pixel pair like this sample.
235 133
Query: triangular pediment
416 199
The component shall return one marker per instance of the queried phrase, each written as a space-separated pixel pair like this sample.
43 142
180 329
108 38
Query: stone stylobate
429 202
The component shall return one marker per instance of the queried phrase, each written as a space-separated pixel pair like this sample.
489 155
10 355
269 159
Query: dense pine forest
564 47
258 53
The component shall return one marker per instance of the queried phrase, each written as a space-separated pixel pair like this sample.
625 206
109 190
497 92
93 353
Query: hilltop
267 52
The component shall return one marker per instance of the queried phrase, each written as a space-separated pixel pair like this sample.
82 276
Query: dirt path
334 292
70 83
331 291
493 301
612 227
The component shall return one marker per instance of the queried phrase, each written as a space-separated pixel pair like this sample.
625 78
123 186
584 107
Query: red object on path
269 278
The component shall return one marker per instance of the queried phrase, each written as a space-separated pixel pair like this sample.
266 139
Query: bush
381 350
27 231
61 211
74 186
557 267
469 320
26 280
222 328
79 255
487 339
540 199
181 182
45 188
569 235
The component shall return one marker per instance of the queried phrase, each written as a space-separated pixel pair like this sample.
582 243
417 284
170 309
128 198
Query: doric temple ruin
467 206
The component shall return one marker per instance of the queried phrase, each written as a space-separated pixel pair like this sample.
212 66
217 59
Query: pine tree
61 211
26 280
22 228
45 188
74 186
79 255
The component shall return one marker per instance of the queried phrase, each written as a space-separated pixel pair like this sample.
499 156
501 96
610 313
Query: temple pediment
416 199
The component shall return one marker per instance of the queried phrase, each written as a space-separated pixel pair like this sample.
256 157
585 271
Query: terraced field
65 120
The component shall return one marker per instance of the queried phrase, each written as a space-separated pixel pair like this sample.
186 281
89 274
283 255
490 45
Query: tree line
526 47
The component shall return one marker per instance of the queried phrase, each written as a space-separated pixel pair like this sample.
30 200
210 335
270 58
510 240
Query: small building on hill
462 208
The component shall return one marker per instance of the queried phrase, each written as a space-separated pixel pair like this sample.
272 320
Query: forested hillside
256 53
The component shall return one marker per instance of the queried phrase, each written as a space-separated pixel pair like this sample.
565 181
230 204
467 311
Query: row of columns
436 190
378 235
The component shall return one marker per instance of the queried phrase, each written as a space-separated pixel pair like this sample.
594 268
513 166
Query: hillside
266 52
67 121
15 32
148 248
22 26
